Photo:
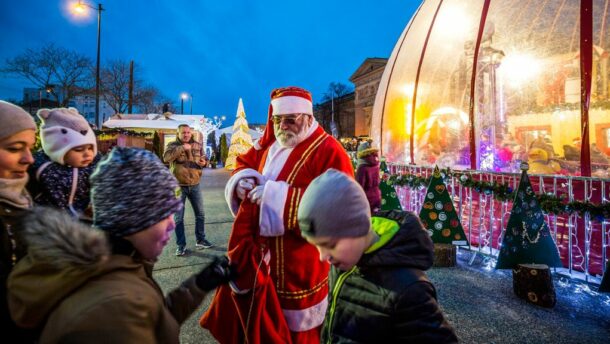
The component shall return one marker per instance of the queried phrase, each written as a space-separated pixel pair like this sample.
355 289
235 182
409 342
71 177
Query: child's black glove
215 274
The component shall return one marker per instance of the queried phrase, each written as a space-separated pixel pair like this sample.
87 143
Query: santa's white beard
289 139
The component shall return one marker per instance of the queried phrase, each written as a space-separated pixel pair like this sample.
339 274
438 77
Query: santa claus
280 294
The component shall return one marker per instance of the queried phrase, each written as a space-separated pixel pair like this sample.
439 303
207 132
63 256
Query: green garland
126 132
503 192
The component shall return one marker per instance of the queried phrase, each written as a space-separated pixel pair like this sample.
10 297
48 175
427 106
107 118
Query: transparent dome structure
488 84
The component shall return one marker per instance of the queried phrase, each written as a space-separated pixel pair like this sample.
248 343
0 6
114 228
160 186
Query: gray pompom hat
132 190
334 205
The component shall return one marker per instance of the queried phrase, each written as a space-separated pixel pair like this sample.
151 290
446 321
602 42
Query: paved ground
171 270
478 302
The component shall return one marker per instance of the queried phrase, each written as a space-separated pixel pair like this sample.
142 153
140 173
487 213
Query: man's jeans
196 199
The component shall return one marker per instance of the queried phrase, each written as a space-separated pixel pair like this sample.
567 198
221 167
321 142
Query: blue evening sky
217 50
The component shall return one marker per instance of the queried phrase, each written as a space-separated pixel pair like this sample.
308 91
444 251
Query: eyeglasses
287 119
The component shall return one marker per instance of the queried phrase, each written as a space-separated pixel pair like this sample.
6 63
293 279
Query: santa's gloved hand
256 195
243 186
216 273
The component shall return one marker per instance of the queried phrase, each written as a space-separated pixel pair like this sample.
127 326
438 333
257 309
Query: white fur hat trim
291 104
57 141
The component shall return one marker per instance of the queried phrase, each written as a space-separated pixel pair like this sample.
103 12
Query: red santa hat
284 101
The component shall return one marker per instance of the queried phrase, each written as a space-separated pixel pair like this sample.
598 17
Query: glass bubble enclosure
483 85
487 84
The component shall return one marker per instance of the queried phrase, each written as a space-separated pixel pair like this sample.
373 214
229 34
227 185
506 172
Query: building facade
366 82
340 111
85 104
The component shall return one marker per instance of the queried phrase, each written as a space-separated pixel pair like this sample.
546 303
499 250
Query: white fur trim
257 146
231 196
291 104
272 209
56 144
276 159
300 320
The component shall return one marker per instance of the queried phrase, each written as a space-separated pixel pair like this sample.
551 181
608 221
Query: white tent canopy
228 131
153 121
158 121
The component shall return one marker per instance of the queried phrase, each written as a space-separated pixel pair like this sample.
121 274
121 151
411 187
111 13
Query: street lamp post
48 88
191 96
98 123
183 96
79 8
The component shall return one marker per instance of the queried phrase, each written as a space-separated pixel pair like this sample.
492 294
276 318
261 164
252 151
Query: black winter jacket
52 184
386 297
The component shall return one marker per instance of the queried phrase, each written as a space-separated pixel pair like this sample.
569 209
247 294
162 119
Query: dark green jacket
386 297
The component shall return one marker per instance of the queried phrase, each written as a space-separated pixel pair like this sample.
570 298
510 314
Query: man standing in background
186 159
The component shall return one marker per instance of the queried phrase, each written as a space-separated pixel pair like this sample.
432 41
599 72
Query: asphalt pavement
171 270
478 301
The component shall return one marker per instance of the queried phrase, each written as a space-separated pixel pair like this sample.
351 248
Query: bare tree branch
115 86
64 73
335 91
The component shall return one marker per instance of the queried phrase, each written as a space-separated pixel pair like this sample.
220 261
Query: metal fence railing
582 241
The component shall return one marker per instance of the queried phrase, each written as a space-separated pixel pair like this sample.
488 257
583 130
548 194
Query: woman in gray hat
17 138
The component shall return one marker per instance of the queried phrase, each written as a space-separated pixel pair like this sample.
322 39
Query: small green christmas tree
604 287
389 200
439 216
224 149
156 145
527 239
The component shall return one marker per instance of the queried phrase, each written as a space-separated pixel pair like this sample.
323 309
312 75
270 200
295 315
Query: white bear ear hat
63 129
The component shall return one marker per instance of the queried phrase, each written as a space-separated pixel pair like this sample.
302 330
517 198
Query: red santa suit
280 294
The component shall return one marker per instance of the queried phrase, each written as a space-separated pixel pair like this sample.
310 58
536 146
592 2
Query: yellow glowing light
518 69
453 22
79 8
407 89
408 107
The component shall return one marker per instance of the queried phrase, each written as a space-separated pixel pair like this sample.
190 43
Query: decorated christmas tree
240 140
604 287
527 239
439 216
389 200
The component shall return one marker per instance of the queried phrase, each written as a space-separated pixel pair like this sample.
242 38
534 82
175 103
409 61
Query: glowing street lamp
80 9
183 96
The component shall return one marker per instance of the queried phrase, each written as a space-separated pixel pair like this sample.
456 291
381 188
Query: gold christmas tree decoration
241 141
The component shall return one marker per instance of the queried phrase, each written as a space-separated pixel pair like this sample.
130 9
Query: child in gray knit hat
83 285
377 279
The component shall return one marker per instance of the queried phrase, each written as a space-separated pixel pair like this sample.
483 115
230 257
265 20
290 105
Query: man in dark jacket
379 292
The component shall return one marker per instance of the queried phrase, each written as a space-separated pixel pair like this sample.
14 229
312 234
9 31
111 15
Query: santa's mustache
286 133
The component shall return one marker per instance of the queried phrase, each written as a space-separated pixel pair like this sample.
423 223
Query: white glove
244 185
256 195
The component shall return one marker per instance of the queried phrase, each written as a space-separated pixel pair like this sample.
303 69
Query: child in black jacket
379 292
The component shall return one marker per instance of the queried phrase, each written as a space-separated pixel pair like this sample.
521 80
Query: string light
502 192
